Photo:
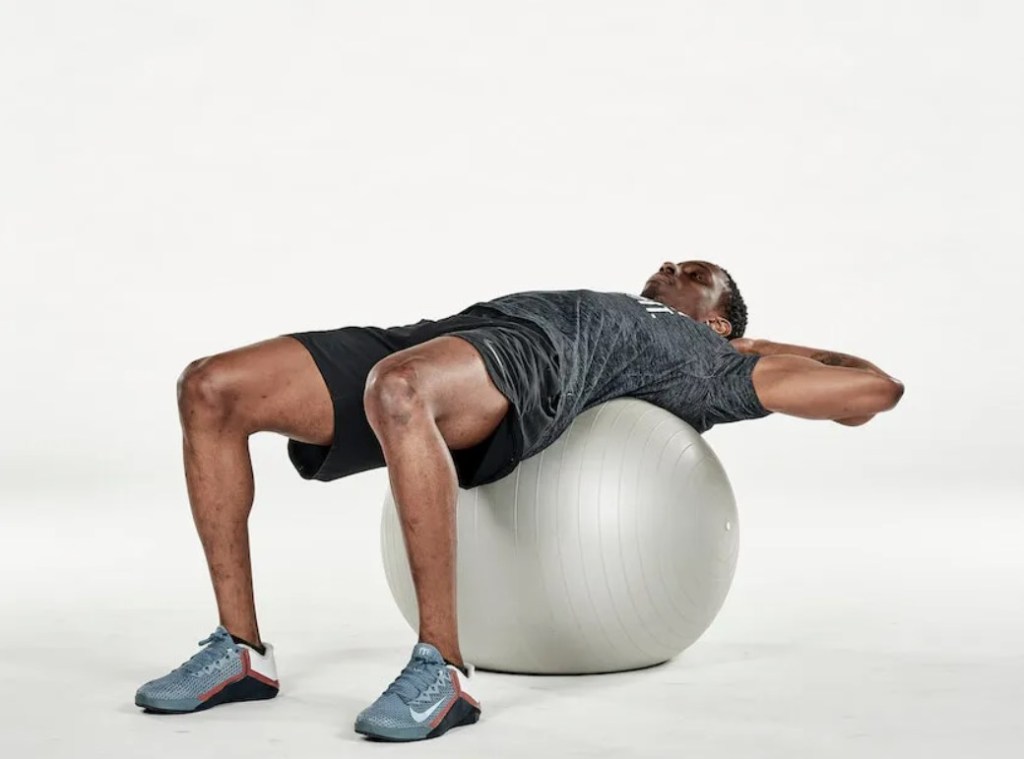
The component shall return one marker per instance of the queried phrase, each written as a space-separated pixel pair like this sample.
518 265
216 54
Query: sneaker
425 701
222 672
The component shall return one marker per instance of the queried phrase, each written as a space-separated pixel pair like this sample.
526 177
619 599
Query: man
461 401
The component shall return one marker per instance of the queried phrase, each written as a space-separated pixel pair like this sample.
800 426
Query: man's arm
819 384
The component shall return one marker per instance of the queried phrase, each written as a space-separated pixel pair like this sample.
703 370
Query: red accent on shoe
221 686
462 693
444 712
247 668
247 671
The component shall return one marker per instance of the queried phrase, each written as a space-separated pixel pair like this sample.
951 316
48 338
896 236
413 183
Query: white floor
856 626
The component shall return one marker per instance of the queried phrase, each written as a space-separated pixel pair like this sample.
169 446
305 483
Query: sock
466 669
261 650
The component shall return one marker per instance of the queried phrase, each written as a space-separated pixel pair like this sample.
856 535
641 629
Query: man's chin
650 290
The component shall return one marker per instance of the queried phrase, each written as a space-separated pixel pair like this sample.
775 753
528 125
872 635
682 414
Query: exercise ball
612 549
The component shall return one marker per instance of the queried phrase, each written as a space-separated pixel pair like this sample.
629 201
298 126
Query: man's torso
610 345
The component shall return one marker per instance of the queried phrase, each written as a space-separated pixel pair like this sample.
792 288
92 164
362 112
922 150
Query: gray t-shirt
610 345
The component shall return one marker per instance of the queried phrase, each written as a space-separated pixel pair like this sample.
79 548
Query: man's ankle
257 647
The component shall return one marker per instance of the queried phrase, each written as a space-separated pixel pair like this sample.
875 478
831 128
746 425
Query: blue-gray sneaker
425 701
224 671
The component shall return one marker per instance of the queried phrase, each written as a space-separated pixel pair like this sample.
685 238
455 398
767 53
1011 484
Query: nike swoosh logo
419 717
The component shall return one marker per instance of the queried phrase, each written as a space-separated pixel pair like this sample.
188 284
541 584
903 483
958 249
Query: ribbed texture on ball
612 549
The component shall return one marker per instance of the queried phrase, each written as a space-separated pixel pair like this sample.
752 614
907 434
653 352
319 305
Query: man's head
704 292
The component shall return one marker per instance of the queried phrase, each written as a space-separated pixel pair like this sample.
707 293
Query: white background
182 178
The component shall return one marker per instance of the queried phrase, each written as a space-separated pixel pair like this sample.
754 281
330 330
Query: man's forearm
831 358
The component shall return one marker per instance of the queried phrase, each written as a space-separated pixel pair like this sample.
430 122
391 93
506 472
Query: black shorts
518 357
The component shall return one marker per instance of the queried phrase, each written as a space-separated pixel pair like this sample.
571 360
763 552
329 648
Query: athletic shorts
519 359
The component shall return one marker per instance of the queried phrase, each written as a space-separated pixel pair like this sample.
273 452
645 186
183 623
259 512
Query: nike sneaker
222 672
425 701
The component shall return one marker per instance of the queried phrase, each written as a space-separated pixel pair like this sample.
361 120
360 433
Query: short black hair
733 307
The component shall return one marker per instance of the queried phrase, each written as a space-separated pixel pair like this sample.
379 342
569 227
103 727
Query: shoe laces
417 676
217 645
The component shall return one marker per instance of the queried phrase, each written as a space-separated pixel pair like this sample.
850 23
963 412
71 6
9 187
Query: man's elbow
894 393
889 396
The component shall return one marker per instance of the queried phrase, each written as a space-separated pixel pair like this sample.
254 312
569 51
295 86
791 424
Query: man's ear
719 324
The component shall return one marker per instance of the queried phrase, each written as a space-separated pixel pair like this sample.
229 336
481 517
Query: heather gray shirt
609 345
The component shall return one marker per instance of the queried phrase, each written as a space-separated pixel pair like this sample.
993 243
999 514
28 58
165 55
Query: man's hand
802 378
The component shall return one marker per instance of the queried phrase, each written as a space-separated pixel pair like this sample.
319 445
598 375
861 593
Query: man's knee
394 392
205 389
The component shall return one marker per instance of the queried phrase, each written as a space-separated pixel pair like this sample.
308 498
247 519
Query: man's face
693 287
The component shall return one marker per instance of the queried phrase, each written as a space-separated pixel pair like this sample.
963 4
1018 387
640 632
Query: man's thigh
273 385
452 379
485 440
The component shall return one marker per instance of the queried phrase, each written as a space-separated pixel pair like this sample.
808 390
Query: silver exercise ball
610 550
